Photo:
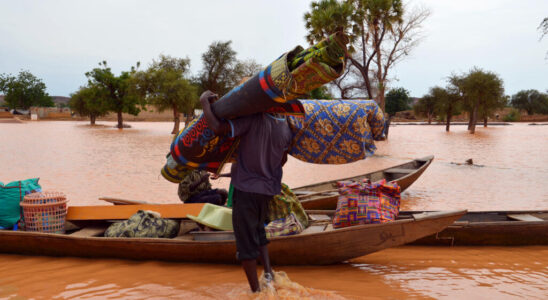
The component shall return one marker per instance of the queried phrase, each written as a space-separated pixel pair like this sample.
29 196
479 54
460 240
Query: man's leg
250 269
265 260
263 241
244 220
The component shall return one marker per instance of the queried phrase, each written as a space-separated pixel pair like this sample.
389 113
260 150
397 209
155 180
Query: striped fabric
286 226
365 203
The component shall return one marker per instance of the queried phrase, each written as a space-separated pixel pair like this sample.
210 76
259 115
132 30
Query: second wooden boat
324 195
493 228
485 228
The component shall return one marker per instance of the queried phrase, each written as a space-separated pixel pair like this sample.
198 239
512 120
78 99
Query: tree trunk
448 118
470 119
474 119
120 121
484 121
430 118
380 97
176 120
92 119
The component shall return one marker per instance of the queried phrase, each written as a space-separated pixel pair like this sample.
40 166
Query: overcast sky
59 41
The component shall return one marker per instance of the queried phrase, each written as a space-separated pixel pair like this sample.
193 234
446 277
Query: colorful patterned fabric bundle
271 90
364 203
336 131
197 147
329 51
174 172
320 64
286 226
286 203
289 77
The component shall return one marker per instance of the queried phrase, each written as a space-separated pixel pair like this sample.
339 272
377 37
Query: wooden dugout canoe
324 195
485 228
493 228
318 245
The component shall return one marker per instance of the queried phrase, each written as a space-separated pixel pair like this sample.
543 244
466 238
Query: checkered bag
366 203
285 226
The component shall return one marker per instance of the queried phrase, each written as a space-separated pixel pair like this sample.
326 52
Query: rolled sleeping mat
173 172
198 147
272 90
336 131
291 76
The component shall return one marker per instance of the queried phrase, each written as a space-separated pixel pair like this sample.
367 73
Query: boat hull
493 228
320 248
413 170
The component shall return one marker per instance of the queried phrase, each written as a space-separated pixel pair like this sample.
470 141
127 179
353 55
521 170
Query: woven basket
45 212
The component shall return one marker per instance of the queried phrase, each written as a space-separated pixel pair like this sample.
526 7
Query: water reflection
89 162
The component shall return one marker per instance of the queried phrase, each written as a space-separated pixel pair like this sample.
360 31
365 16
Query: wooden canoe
485 228
324 195
493 228
318 245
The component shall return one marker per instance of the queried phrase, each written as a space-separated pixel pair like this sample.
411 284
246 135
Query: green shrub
512 116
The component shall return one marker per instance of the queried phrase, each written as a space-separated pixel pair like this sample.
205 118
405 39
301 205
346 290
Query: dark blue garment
264 139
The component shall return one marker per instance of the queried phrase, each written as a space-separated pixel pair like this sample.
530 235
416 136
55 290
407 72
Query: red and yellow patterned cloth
365 203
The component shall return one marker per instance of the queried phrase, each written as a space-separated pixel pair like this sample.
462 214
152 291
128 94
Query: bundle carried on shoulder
336 131
274 89
366 203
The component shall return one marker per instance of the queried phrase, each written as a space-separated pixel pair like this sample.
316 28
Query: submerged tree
117 90
219 65
532 101
483 91
382 33
165 85
426 106
24 91
89 102
397 99
447 103
321 92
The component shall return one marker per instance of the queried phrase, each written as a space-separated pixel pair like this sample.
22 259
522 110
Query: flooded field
86 162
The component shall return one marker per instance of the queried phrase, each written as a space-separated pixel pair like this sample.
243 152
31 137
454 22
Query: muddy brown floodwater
89 162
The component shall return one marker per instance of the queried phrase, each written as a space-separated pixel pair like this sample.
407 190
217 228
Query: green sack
11 195
285 203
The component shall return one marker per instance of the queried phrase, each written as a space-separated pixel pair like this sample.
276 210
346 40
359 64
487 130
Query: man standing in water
256 177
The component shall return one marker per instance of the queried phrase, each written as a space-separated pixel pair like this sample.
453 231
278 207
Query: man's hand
219 127
208 97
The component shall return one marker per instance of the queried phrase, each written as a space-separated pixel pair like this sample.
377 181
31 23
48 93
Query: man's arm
219 127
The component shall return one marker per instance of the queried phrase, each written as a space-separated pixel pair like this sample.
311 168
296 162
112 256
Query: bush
512 116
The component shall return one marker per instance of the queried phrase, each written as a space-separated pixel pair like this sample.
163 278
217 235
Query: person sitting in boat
196 188
256 176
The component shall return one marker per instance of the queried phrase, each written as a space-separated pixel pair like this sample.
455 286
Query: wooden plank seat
524 217
400 171
90 231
